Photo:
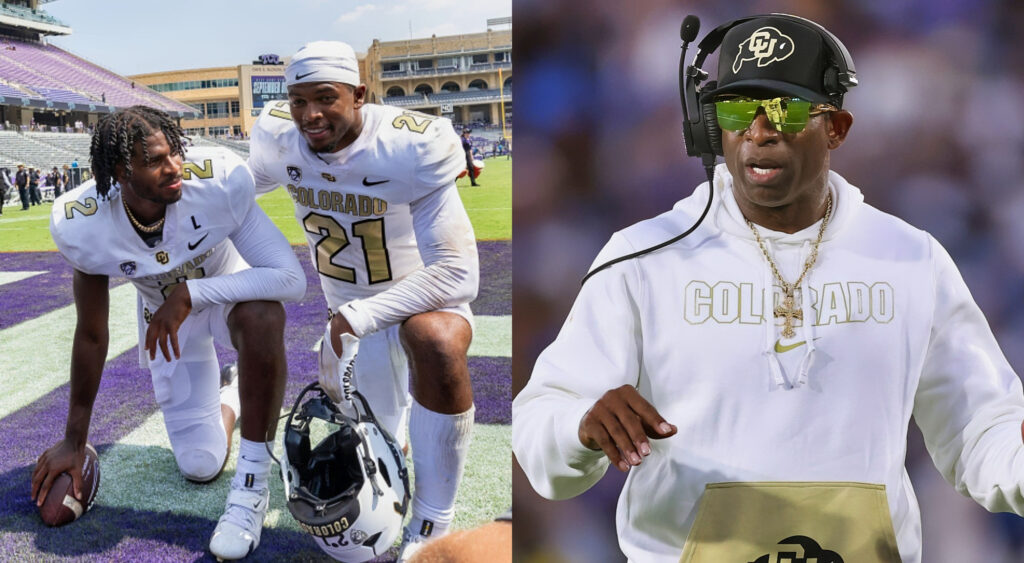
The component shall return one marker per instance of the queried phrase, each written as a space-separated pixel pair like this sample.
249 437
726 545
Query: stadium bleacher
65 81
45 150
438 98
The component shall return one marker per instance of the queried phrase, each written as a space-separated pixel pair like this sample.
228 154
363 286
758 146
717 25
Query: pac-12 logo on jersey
128 268
295 173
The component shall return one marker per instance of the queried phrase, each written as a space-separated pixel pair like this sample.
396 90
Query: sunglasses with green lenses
788 115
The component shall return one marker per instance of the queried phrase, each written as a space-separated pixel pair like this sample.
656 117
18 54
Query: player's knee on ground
199 465
200 449
491 542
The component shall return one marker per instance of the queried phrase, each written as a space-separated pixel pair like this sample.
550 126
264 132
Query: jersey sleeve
969 402
439 158
263 144
71 244
598 349
275 274
239 184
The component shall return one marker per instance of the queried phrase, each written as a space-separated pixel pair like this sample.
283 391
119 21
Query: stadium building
51 98
467 78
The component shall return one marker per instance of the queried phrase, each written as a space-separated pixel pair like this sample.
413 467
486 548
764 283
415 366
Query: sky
141 36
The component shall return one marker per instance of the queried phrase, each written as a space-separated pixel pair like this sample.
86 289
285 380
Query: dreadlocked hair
116 134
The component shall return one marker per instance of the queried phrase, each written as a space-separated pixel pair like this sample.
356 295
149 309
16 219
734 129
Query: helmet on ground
351 490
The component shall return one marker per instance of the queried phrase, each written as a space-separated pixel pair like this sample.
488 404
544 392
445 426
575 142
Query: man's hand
163 327
335 367
619 424
63 456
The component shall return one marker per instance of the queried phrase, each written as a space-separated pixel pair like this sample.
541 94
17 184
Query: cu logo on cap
766 45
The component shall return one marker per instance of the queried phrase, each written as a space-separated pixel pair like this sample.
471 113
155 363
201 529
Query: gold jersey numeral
282 110
86 208
190 275
415 122
335 239
204 173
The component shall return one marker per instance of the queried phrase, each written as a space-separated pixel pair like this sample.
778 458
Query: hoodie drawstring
778 380
806 325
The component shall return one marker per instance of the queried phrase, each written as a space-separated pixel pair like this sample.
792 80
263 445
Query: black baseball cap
773 55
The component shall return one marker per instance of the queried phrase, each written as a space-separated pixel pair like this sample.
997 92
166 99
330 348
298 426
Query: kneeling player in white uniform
208 265
374 189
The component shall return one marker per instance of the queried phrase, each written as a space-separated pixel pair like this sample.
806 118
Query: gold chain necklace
788 310
138 225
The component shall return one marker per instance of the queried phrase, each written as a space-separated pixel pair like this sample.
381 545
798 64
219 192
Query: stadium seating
47 72
481 96
412 100
46 150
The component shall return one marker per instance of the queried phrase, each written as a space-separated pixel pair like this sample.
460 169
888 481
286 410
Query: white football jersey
359 206
96 237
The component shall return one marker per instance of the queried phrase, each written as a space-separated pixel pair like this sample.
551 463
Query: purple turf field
125 399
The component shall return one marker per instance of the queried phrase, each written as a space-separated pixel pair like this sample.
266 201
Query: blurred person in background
593 162
467 147
21 180
6 185
33 186
53 178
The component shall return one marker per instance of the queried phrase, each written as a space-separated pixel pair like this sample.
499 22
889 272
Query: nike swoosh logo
780 349
367 182
301 76
192 246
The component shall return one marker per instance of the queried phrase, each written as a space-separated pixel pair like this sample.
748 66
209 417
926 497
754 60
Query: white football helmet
350 491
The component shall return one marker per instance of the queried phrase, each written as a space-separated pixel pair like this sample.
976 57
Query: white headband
323 61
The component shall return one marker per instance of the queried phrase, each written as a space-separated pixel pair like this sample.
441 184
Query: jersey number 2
375 252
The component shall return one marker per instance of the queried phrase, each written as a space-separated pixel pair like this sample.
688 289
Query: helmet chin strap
368 463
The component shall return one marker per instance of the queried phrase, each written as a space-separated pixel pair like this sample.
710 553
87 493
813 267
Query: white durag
323 61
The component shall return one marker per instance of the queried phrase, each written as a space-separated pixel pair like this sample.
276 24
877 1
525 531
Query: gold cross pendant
789 311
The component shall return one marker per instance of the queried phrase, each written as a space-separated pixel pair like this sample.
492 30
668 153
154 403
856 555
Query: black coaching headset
701 132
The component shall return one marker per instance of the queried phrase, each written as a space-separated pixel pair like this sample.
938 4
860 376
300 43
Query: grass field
145 510
489 208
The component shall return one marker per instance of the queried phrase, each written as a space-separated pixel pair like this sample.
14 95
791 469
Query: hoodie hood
846 199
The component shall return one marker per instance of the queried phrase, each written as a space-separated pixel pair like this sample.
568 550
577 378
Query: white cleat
238 531
411 543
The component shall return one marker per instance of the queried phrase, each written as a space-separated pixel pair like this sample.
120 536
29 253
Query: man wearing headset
756 378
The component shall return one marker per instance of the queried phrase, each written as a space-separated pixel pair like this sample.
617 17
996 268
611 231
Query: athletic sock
440 444
253 465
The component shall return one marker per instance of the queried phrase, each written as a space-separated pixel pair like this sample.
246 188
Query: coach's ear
839 124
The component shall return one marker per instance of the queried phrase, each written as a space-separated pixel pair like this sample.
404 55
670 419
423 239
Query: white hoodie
893 332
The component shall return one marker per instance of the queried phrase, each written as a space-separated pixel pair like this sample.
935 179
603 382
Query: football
60 506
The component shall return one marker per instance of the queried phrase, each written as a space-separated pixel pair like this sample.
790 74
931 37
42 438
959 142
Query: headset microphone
688 33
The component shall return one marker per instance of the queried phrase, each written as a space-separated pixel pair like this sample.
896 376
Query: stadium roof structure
31 20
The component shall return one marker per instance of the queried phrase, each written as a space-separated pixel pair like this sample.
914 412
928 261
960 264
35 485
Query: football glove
336 373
